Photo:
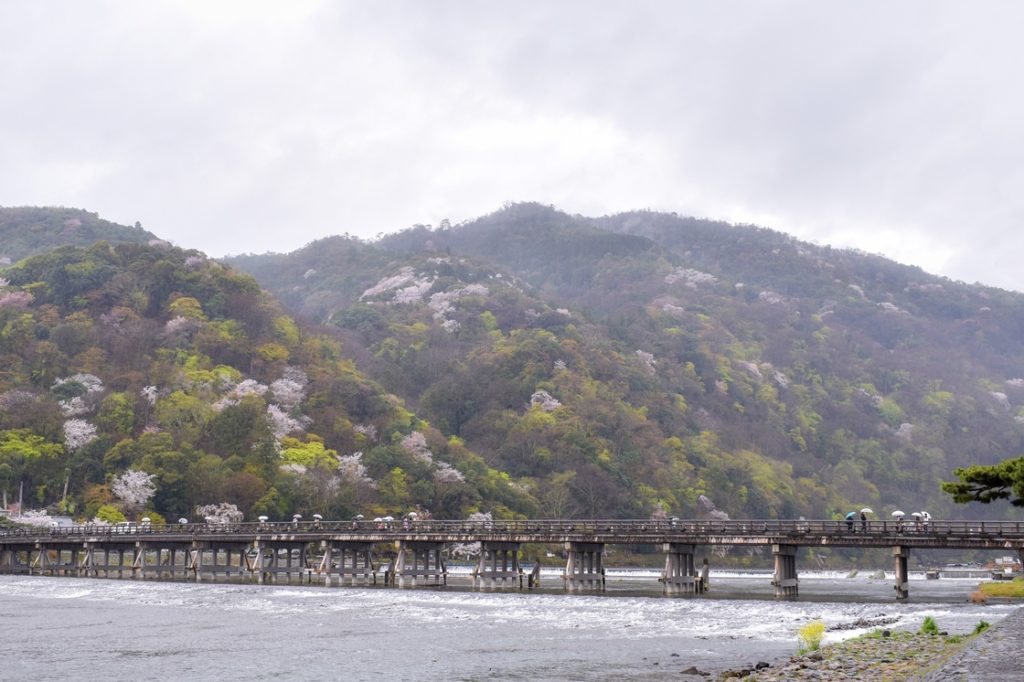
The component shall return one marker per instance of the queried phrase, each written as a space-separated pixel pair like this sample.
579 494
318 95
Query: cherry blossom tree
222 513
133 488
78 432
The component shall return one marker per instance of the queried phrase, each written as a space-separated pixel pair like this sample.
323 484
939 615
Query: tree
988 483
133 488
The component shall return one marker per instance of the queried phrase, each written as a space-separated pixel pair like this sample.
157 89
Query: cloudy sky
233 127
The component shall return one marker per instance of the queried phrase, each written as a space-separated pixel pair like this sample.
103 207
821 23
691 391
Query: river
95 629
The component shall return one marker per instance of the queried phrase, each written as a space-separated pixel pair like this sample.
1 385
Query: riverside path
413 552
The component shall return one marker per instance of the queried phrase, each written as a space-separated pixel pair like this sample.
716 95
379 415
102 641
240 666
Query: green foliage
929 626
810 635
110 514
981 627
989 483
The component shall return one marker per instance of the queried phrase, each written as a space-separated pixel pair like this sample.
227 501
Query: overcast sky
893 127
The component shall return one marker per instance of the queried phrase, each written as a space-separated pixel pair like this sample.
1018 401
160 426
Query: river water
96 629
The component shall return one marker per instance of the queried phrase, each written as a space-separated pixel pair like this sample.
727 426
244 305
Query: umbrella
867 510
389 518
925 515
358 517
850 515
318 517
412 515
918 515
898 514
377 518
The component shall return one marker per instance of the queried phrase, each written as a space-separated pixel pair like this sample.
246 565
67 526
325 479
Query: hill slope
681 357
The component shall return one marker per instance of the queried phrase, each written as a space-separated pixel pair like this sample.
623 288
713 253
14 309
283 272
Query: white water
67 628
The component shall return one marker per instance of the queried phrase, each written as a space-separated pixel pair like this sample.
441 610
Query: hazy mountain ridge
615 374
864 379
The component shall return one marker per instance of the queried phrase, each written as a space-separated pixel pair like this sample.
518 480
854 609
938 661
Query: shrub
981 627
929 626
811 634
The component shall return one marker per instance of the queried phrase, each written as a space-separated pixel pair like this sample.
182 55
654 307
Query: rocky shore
894 656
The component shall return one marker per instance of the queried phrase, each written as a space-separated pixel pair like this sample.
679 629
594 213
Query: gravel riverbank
992 655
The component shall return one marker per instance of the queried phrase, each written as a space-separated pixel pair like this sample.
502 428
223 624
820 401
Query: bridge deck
934 534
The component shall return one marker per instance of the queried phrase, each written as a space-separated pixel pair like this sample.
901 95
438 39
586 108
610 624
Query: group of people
920 522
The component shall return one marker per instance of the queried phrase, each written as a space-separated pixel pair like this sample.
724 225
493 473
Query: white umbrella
918 515
898 514
867 510
925 515
389 518
358 517
318 517
378 518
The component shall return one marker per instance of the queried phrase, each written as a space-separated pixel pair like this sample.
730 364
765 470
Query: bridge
340 552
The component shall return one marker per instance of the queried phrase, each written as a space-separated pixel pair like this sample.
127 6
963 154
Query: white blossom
293 468
404 276
451 326
74 407
290 389
648 360
193 262
770 297
15 299
905 432
149 393
690 277
545 401
133 488
446 474
416 445
560 365
34 517
352 470
90 382
16 398
414 292
222 513
751 369
308 273
1001 399
281 423
368 430
78 432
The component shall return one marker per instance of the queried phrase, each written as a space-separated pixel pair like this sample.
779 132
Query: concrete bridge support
499 561
416 560
680 574
902 554
584 567
785 580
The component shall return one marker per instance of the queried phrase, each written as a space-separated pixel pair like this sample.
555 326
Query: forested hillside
28 230
622 365
143 379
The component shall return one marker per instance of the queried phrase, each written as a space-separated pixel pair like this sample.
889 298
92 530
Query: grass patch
929 626
1003 588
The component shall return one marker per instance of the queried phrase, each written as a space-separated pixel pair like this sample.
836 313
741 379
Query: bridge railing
667 528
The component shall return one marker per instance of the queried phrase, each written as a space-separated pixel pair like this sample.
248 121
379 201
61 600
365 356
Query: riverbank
896 656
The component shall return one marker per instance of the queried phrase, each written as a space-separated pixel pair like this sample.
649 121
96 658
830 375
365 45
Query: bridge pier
680 574
584 567
346 560
902 554
269 561
498 561
426 563
785 579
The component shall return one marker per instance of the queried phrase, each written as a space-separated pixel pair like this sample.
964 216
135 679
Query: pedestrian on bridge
849 520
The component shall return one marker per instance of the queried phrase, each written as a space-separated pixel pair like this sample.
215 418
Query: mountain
27 231
620 365
142 378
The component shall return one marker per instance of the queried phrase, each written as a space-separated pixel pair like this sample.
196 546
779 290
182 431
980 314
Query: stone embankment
991 656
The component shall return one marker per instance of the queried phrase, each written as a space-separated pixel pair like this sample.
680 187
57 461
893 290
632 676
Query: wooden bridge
336 552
